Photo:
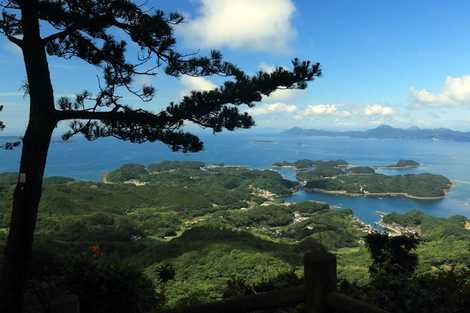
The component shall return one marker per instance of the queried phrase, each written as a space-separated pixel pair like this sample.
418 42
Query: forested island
404 164
305 164
214 224
338 177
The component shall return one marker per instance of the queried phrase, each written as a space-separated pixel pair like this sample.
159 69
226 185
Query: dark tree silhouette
2 125
392 256
89 30
392 271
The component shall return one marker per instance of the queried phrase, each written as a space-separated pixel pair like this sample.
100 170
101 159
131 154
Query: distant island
338 177
264 141
387 132
404 164
303 164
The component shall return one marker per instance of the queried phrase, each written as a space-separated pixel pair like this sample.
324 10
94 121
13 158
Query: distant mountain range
387 132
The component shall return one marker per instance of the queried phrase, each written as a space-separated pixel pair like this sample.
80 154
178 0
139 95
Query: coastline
286 166
104 178
375 194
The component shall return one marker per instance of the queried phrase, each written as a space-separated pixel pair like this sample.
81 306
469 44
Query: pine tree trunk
23 220
42 121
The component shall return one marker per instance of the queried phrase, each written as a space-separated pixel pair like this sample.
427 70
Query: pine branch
15 40
59 35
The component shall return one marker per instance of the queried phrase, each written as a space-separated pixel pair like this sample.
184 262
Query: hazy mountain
385 131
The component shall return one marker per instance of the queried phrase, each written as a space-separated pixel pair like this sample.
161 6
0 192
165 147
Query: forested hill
387 132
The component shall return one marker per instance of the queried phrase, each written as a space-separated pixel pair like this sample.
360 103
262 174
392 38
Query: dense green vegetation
211 179
8 178
11 178
297 164
127 172
320 171
215 226
397 286
159 205
361 170
420 185
173 165
444 240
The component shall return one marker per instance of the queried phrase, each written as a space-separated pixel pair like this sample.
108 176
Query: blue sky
400 62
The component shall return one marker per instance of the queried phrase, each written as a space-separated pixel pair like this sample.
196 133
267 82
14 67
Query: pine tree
90 30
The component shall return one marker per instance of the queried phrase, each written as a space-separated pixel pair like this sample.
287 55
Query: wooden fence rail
318 293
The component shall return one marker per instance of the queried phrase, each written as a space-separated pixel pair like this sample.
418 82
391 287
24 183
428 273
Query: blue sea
89 160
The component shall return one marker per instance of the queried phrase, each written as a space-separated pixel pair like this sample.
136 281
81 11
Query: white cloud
456 91
285 94
246 24
329 115
191 83
320 109
273 108
378 110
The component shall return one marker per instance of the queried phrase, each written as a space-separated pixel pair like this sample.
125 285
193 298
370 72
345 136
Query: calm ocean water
89 160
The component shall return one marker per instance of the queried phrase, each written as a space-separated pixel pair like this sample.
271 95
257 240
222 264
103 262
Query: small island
404 164
305 164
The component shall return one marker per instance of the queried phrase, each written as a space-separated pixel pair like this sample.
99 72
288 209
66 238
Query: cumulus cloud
278 107
322 109
378 110
456 91
285 94
340 115
242 24
191 83
311 110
